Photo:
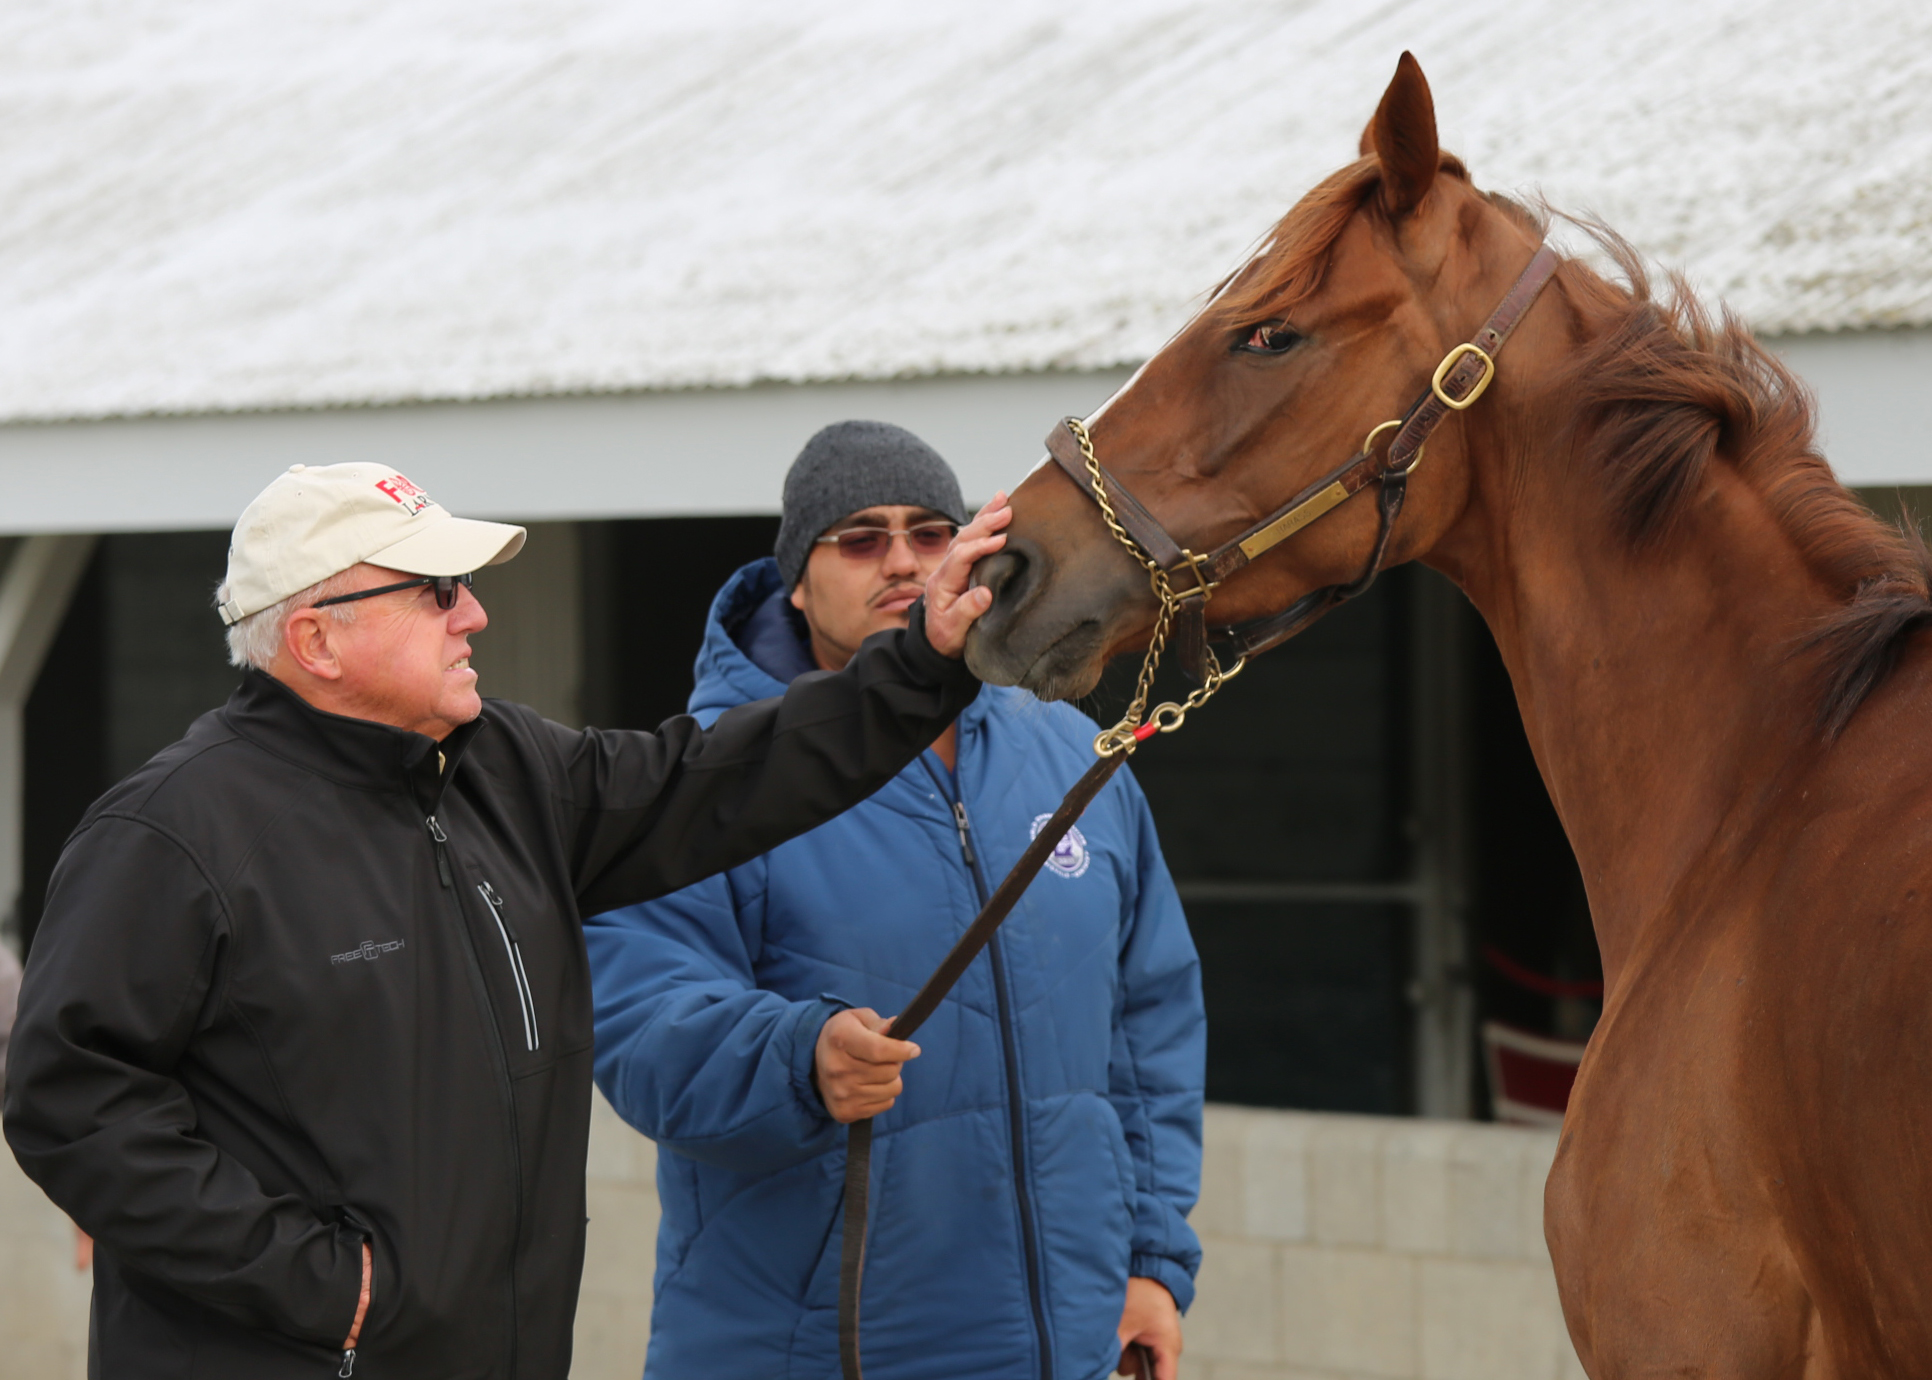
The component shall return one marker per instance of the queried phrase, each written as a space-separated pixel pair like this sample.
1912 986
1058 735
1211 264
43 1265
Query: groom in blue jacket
1033 1171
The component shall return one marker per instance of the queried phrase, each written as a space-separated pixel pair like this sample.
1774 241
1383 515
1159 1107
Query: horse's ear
1403 136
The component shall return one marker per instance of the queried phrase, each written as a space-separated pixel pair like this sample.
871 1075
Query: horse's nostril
1002 572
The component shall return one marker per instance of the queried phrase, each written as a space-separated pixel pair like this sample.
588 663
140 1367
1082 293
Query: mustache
895 590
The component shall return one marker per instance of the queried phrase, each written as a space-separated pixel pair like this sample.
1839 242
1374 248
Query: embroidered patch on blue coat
1070 858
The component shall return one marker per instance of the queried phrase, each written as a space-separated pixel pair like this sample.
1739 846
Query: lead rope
1112 747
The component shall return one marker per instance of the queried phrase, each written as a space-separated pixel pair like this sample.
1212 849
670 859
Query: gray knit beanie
854 465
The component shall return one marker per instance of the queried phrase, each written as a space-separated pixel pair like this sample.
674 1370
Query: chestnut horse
1714 649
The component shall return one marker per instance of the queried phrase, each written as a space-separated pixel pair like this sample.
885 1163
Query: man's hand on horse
856 1065
951 607
1151 1319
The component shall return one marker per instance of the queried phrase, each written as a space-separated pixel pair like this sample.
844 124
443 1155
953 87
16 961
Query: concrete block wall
1336 1248
620 1252
1345 1248
43 1298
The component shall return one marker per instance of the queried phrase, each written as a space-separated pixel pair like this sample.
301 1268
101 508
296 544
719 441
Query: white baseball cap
317 521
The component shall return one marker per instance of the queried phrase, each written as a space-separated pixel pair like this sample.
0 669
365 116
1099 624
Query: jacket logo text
368 949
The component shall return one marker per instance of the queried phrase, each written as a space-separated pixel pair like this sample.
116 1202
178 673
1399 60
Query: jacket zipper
513 949
441 840
447 877
1015 1102
367 1238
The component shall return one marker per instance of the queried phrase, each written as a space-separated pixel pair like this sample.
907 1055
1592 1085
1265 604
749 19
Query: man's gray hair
256 639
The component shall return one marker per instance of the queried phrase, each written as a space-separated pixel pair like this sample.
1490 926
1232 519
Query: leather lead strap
858 1144
858 1194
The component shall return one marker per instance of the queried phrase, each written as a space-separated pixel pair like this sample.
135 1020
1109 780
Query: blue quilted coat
1048 1143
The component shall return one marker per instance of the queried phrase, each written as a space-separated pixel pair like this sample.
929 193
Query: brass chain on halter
1137 725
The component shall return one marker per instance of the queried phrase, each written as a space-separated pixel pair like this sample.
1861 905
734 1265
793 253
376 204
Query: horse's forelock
1290 262
1293 258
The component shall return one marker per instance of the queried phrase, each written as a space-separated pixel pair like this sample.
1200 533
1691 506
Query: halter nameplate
1294 520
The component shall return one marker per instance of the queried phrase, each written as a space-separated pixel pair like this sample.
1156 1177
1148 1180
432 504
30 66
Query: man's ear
305 641
1403 136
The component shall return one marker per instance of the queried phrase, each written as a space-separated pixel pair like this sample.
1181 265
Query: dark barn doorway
139 656
648 586
1282 808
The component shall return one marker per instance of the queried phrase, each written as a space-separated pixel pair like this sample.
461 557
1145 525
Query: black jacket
296 987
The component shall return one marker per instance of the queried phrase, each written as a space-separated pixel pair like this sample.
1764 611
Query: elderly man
305 1037
1034 1170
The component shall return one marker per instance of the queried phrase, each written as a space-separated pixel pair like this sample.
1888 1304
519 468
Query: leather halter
1458 382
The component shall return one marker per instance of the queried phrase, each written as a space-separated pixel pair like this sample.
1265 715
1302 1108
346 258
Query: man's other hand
950 606
1151 1319
857 1065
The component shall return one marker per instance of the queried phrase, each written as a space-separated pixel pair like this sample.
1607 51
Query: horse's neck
1657 684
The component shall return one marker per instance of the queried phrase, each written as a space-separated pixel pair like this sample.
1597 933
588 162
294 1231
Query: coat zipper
441 840
513 949
367 1238
446 876
1015 1102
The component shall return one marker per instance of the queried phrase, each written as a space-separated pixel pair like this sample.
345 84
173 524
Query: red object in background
1529 1075
1531 980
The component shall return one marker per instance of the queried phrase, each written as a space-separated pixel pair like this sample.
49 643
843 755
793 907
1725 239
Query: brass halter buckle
1450 361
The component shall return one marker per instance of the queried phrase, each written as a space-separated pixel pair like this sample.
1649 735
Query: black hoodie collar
351 752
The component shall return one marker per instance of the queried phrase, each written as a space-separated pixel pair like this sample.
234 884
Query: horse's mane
1669 390
1666 392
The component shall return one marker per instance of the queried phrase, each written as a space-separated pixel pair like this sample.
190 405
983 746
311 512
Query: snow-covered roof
225 204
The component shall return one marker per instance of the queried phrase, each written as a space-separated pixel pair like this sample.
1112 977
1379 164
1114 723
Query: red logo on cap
405 493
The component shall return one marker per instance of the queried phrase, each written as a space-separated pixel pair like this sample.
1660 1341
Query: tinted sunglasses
445 586
871 543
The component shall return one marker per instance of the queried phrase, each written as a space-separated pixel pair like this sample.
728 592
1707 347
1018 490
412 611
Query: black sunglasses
446 586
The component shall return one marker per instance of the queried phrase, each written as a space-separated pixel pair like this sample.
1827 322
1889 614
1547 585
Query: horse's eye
1270 338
